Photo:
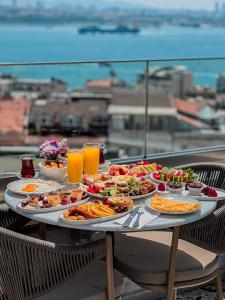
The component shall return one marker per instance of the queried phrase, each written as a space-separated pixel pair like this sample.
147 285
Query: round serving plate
174 197
94 221
44 186
32 210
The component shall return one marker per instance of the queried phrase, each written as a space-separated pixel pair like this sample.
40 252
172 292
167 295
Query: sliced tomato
156 176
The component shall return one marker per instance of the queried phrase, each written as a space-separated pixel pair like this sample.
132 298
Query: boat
119 29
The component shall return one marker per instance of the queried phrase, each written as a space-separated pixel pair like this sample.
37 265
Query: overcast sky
193 4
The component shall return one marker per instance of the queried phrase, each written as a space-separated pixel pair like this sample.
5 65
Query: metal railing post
146 108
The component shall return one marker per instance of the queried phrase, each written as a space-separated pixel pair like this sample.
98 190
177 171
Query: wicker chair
10 219
203 233
32 268
144 257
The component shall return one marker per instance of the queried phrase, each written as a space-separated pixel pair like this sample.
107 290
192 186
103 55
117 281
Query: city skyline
160 4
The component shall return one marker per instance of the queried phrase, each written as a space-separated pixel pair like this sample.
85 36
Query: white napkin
145 218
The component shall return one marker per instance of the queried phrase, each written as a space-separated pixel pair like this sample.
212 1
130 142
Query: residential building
13 120
69 116
221 83
174 81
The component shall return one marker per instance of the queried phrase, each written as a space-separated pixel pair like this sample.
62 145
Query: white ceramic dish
32 210
56 174
94 221
179 198
44 186
132 197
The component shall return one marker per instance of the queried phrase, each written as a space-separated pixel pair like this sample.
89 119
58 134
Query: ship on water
119 29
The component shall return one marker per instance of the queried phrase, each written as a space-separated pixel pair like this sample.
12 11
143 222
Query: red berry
73 199
212 192
161 187
159 167
44 202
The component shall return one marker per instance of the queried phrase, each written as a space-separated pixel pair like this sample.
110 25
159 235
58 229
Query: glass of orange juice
75 162
91 158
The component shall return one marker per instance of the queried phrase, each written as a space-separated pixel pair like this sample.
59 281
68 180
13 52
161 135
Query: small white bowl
175 191
56 174
195 191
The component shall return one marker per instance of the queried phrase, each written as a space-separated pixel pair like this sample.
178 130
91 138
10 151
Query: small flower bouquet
54 153
53 149
54 166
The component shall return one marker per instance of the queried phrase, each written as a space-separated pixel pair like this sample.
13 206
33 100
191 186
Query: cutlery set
136 213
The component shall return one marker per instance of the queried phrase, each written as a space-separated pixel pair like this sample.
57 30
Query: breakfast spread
99 209
173 206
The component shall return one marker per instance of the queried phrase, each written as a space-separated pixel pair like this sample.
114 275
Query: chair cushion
88 285
144 258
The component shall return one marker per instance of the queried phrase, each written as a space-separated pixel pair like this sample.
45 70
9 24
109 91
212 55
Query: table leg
42 231
172 264
109 267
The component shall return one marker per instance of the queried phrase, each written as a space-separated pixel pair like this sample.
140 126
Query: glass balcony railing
138 108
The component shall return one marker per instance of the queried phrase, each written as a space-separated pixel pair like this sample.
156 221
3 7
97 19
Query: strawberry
212 192
161 187
159 167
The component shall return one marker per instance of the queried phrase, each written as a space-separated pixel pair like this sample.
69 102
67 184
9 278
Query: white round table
161 222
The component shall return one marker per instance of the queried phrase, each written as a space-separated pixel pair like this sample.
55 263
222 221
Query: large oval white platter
202 197
94 221
34 210
132 197
44 186
179 198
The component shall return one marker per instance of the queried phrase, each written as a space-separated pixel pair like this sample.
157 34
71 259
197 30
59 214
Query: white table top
163 221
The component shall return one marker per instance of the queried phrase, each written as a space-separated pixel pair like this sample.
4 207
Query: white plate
94 221
165 182
174 197
44 186
202 197
32 210
101 197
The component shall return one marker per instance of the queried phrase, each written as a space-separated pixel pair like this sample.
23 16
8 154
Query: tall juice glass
91 158
75 162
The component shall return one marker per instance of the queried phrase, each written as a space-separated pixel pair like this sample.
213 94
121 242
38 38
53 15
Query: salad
119 186
175 175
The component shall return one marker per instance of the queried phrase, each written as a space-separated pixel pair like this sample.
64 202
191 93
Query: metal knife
131 216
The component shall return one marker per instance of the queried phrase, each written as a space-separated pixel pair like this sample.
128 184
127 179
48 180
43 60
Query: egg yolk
30 187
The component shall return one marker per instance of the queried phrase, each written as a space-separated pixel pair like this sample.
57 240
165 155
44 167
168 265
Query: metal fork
140 212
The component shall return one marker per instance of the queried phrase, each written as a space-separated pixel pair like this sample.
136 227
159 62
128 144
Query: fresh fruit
73 199
212 192
161 187
159 167
156 176
64 201
44 202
